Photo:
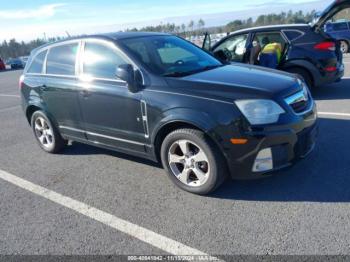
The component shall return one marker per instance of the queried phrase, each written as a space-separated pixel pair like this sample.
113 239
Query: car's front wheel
46 133
193 161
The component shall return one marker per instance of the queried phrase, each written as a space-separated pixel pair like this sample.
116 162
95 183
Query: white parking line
164 243
333 114
5 95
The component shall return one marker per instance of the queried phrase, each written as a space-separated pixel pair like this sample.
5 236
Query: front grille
299 102
300 106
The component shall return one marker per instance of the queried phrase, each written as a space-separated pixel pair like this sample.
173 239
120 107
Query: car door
233 49
60 91
111 113
262 39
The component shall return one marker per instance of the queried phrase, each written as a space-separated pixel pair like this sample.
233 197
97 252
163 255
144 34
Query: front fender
199 119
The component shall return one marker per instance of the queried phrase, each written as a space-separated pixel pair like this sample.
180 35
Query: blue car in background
340 30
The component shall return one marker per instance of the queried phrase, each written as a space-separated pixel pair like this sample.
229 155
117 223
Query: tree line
12 48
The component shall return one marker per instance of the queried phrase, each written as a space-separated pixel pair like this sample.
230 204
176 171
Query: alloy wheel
43 132
189 163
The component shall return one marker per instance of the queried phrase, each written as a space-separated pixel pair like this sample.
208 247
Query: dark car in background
160 97
306 49
340 30
2 64
24 60
16 63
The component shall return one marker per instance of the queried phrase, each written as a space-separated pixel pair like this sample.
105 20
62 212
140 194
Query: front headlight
260 111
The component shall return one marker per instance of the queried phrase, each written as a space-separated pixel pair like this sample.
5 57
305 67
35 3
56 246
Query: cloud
40 12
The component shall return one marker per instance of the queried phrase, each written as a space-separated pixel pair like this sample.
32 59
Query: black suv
306 49
160 97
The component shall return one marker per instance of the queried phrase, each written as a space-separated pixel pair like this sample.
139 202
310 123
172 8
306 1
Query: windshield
170 55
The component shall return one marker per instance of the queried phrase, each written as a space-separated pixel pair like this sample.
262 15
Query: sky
26 20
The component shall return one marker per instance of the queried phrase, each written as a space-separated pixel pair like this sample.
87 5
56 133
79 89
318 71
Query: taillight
331 69
21 79
325 46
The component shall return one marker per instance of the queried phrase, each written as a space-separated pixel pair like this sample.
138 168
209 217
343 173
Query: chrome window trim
54 75
104 136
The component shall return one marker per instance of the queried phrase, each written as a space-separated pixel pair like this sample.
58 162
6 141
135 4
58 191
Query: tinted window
170 55
236 45
37 64
101 61
292 35
61 60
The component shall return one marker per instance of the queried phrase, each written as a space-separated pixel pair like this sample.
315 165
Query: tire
206 169
303 74
46 133
344 47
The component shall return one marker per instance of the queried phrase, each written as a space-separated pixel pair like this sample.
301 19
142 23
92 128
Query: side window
101 61
292 34
264 39
139 49
61 59
235 46
36 66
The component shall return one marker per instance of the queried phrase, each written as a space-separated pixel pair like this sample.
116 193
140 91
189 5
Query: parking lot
111 203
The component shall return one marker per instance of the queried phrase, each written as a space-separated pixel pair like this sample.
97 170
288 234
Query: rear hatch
327 14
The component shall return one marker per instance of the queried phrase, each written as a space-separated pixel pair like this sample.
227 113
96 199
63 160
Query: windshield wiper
202 69
176 74
205 68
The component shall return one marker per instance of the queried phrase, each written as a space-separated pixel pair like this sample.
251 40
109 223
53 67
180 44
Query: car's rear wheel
46 133
344 47
305 75
193 162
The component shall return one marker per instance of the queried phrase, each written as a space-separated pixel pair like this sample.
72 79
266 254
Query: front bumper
288 144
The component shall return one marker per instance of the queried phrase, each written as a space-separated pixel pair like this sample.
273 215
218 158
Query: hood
239 81
329 12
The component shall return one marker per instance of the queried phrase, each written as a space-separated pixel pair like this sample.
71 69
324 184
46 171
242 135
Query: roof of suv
272 27
111 36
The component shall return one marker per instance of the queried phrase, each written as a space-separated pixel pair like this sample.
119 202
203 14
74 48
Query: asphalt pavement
304 210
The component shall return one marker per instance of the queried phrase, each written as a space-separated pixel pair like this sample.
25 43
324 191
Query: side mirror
207 42
126 72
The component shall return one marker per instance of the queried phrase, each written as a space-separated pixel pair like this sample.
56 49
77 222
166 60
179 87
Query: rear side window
61 59
292 34
36 66
101 61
